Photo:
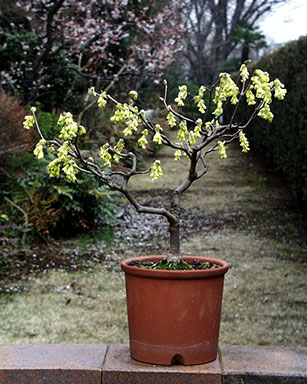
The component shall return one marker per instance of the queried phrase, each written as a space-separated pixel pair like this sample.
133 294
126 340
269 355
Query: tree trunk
174 230
245 53
174 243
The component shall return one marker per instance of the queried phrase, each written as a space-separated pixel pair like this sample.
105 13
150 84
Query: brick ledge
102 364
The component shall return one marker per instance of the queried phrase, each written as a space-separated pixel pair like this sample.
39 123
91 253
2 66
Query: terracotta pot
174 316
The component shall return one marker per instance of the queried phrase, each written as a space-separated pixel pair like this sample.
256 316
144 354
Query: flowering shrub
95 38
197 138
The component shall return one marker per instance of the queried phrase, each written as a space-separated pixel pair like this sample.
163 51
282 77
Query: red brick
271 365
119 368
51 363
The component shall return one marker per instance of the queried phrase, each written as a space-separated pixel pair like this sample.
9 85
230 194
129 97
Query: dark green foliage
12 245
250 37
231 65
22 48
283 143
56 206
85 204
47 122
104 234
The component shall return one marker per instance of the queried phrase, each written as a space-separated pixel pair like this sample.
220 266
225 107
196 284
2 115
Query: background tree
250 38
211 30
97 39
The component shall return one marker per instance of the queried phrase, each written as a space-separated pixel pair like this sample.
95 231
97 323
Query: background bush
34 204
22 47
13 139
283 143
57 207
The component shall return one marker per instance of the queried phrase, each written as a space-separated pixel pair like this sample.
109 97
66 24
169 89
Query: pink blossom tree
97 39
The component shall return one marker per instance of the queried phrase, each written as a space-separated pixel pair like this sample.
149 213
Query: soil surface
239 212
174 266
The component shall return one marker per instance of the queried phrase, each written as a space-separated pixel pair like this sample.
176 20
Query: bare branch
144 209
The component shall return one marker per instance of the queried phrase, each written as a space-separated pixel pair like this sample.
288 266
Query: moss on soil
173 266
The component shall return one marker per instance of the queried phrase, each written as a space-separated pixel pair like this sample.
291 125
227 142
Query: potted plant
174 301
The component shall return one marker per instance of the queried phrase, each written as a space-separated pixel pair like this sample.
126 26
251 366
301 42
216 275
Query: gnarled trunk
174 243
174 230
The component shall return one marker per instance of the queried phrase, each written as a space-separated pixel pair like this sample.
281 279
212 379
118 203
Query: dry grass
265 291
61 307
252 228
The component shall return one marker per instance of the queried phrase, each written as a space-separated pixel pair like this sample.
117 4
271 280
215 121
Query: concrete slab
51 363
120 368
255 364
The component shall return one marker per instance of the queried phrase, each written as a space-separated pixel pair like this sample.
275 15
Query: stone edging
102 364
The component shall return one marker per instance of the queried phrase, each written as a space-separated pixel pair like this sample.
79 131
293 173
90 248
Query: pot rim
165 274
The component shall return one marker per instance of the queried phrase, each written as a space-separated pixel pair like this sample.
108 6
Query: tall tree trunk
245 53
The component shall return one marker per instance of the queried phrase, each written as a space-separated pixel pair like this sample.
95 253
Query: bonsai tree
196 138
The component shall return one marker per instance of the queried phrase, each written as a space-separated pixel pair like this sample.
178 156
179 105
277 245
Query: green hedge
284 142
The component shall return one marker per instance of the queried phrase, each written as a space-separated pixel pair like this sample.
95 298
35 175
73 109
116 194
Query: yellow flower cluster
183 130
70 170
182 94
199 100
197 129
243 142
119 147
171 119
127 114
39 149
29 122
227 88
54 167
244 72
222 149
63 159
157 136
69 166
156 171
143 140
69 128
279 90
261 88
105 155
102 100
177 154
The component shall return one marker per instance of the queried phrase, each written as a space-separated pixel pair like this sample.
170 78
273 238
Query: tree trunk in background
211 24
245 53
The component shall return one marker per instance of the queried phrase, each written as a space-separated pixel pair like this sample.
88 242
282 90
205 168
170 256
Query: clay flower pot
174 316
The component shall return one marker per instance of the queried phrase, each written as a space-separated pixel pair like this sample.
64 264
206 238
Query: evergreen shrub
284 143
56 207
